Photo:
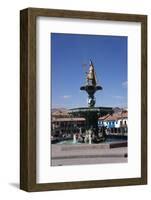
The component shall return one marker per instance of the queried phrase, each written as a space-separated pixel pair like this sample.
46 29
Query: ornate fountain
91 113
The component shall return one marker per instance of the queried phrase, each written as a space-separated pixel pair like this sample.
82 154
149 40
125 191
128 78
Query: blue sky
68 54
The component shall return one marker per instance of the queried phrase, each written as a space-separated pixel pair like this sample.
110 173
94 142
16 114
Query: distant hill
59 109
117 109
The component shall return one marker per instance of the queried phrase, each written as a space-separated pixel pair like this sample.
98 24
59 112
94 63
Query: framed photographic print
83 99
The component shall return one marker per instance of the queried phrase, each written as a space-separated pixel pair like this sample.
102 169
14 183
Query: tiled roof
60 113
104 117
114 116
124 114
68 119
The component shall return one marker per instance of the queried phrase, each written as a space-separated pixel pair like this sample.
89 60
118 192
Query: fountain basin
91 115
83 111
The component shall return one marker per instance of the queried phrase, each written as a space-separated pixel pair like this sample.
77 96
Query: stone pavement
76 154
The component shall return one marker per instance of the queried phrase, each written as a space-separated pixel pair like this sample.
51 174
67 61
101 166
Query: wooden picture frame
28 98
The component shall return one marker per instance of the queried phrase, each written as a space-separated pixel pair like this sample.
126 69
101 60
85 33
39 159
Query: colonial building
64 124
117 123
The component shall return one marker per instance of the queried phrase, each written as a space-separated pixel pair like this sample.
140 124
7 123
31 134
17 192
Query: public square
77 154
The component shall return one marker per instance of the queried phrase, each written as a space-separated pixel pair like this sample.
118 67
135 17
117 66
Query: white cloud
118 97
66 96
124 84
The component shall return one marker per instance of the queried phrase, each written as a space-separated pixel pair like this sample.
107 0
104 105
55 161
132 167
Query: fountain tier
91 114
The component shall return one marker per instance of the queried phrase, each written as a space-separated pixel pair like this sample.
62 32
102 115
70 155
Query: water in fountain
90 138
74 139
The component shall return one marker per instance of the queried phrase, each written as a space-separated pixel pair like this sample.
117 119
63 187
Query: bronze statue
91 85
91 76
